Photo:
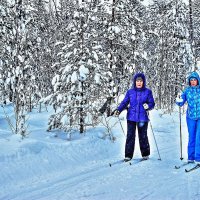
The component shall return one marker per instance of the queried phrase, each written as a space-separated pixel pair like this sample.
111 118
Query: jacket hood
194 75
143 78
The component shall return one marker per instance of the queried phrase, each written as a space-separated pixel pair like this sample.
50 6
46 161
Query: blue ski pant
194 139
142 135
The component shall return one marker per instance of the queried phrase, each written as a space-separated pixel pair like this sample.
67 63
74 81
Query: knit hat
193 78
139 78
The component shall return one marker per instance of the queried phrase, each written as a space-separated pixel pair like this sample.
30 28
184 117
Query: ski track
59 185
90 178
193 187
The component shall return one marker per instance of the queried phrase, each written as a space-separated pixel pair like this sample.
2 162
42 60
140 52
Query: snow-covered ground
43 166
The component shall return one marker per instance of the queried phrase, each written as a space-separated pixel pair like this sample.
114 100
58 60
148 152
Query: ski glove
179 101
115 113
145 105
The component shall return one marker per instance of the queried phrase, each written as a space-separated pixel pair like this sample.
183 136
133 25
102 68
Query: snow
55 79
59 97
76 14
74 77
95 55
97 78
68 67
21 58
83 71
43 166
58 43
133 30
46 99
147 2
198 65
116 29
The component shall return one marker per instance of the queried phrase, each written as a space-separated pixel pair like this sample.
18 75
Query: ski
128 162
193 168
118 162
137 161
182 165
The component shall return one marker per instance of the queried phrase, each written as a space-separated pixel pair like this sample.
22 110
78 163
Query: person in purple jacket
139 101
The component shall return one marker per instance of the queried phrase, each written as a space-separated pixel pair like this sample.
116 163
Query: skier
192 95
140 101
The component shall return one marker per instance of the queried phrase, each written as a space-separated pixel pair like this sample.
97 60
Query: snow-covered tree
195 6
76 83
170 50
16 71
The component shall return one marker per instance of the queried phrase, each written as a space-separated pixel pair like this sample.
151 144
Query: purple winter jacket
135 98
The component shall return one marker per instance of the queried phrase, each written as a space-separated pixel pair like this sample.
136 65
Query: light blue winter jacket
192 95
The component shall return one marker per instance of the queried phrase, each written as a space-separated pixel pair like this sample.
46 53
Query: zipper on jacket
196 103
138 105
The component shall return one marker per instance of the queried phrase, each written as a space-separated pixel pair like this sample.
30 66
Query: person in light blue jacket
191 95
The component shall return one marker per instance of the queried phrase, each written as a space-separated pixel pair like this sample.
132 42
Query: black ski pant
142 135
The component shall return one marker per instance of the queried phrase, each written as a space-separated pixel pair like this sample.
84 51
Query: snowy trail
44 167
56 187
97 181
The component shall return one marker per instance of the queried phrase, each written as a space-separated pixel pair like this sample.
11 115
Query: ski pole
119 122
121 126
180 133
154 138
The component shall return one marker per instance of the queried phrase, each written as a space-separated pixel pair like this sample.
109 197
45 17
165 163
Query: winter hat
140 75
139 78
192 77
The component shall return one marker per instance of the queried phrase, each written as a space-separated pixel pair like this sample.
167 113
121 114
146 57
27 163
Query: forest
79 56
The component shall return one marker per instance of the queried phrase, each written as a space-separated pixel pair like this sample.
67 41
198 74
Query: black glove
115 113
